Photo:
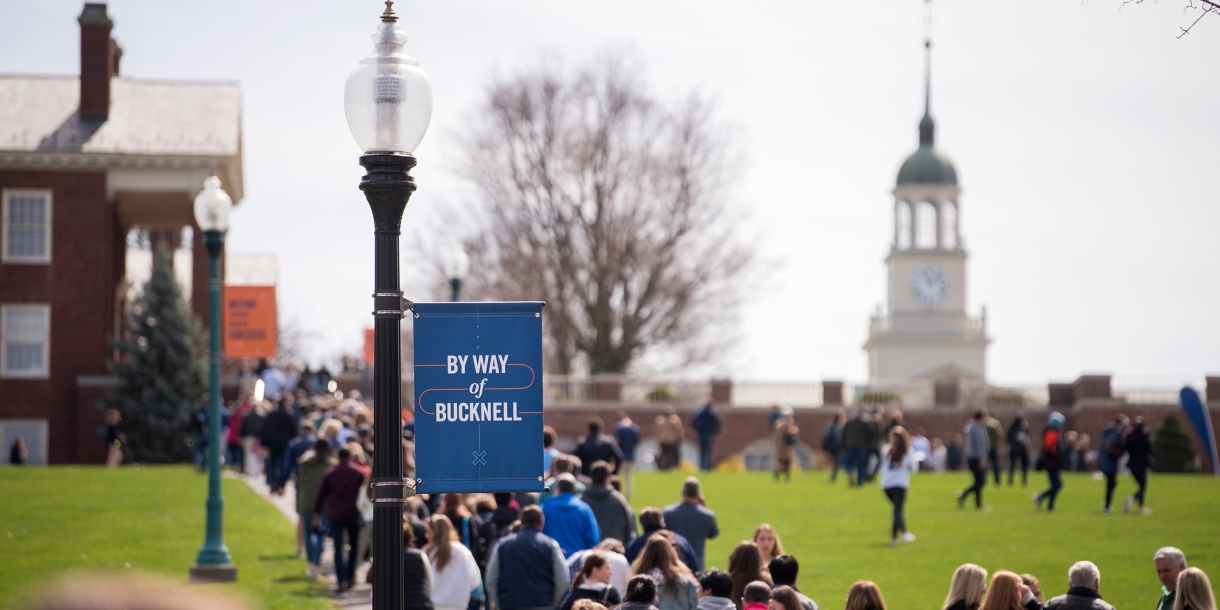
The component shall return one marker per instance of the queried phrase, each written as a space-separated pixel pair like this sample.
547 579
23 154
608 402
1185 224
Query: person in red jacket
337 494
1052 460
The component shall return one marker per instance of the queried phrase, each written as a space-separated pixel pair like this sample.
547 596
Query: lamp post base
213 572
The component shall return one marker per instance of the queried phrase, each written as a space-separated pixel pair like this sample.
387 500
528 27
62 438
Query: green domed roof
927 165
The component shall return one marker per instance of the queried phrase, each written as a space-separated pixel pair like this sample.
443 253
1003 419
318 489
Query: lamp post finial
389 15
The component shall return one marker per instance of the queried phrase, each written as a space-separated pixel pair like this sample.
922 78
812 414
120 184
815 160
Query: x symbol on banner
480 458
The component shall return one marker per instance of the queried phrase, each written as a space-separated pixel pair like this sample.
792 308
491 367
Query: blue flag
1202 420
478 397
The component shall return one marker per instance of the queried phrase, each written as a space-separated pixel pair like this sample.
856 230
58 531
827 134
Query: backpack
832 439
1114 445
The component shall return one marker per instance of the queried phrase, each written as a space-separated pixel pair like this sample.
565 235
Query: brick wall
80 285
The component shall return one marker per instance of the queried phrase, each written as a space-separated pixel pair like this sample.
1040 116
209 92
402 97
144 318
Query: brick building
84 160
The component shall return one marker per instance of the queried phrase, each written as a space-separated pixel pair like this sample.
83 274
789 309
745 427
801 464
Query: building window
948 225
25 345
903 223
925 226
26 223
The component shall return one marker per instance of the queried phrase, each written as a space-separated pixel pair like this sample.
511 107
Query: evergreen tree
1174 450
161 370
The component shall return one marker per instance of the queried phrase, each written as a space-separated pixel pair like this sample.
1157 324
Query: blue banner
1202 420
478 397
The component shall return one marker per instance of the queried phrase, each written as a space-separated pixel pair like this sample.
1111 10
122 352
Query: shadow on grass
285 557
297 578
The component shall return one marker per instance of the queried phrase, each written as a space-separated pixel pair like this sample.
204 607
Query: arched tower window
902 226
925 225
948 225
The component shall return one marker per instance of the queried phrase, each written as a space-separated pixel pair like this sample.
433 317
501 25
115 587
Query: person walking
967 588
114 439
1084 592
856 436
1194 591
465 524
496 527
569 521
652 521
1052 461
526 570
876 437
1018 440
757 596
977 448
785 438
670 434
612 550
745 567
1007 592
784 570
614 515
549 452
592 582
994 433
1139 460
897 466
707 423
337 493
641 593
1170 562
832 445
1109 454
597 447
250 431
416 570
692 519
457 583
310 471
715 590
278 429
677 589
627 435
234 456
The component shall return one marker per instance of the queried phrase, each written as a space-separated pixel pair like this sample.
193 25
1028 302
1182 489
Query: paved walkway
361 596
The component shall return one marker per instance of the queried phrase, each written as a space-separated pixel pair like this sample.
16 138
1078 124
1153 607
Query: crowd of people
865 446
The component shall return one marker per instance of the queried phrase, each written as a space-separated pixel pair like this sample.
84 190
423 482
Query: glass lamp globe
212 206
388 98
457 264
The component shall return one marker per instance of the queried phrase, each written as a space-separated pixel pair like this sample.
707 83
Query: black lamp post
388 102
212 207
457 264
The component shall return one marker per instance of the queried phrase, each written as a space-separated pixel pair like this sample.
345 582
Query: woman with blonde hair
676 587
1194 591
457 578
864 595
967 588
745 567
769 546
1005 592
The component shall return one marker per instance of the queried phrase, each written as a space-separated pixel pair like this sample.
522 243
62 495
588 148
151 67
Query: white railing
929 326
1154 389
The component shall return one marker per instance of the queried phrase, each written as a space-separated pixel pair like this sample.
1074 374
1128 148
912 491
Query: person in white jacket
456 574
897 466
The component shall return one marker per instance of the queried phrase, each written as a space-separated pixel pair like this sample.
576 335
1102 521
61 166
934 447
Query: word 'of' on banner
478 397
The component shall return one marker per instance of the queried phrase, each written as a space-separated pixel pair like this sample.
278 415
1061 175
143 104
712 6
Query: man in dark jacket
1109 453
278 429
856 435
495 528
527 571
653 523
707 423
597 447
1139 460
417 575
337 493
1084 581
614 516
296 448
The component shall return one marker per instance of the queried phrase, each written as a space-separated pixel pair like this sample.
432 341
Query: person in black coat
278 429
1139 459
707 423
417 574
597 447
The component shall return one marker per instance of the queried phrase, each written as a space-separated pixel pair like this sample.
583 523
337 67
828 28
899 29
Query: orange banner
250 321
368 345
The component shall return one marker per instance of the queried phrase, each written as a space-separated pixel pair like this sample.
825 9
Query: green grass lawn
150 519
841 535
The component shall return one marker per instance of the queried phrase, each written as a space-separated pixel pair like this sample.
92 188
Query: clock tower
925 330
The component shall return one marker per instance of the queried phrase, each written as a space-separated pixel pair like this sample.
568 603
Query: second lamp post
457 264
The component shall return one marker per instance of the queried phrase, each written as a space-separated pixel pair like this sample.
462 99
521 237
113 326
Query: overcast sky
1086 140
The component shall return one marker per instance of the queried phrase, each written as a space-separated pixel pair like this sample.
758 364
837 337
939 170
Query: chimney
98 61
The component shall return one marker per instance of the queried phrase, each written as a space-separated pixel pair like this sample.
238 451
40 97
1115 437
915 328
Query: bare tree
612 206
1204 7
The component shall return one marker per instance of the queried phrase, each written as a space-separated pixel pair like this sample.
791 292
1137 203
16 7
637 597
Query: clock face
930 284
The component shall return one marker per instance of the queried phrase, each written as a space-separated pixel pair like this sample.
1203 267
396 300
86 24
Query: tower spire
926 126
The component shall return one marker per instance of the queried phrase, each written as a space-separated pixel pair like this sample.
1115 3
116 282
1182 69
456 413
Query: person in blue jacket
568 520
707 423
